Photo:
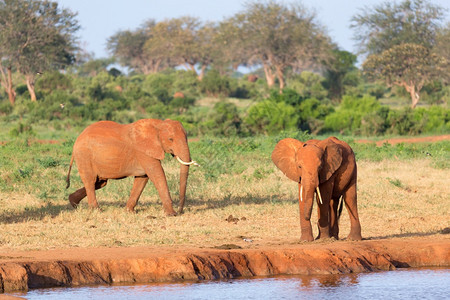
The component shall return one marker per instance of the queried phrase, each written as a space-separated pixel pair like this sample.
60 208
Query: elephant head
173 139
158 137
310 164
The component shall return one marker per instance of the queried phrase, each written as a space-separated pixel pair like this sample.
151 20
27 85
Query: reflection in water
403 284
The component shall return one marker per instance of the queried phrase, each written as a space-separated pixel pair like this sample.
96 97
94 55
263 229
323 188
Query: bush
349 115
308 85
213 84
270 117
223 120
288 96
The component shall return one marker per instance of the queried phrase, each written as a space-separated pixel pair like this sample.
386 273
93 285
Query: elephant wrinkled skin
327 168
108 150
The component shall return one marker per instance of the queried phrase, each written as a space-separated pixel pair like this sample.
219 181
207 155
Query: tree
341 63
279 37
406 65
36 36
389 24
182 41
129 48
442 48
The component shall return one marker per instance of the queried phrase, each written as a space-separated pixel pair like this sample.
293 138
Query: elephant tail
68 174
340 207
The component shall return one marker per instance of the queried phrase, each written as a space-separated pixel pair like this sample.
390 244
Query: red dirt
23 270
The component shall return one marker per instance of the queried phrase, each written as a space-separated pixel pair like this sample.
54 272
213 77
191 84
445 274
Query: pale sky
100 19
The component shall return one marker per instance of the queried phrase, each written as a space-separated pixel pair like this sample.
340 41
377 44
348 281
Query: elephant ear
331 159
283 156
145 135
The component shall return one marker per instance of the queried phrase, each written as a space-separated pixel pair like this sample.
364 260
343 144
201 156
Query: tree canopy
278 37
389 24
36 36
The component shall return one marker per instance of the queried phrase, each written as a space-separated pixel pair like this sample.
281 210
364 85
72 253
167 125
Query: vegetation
35 37
236 178
400 39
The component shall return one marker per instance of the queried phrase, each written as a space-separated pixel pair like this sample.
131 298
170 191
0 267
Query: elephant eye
170 139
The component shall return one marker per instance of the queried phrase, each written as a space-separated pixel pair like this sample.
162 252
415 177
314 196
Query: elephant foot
95 208
354 237
130 210
73 204
171 214
307 238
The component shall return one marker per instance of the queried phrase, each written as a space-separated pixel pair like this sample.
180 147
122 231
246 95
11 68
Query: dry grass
396 198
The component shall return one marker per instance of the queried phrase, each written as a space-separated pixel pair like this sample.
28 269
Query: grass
402 191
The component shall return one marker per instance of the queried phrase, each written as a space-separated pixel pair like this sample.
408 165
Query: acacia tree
406 65
398 39
182 41
36 36
129 47
278 37
381 27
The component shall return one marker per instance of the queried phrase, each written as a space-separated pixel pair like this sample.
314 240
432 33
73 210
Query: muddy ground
23 270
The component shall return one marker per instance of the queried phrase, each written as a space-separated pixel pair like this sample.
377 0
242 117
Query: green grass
397 184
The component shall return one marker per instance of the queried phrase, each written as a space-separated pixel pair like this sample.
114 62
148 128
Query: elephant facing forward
108 150
327 168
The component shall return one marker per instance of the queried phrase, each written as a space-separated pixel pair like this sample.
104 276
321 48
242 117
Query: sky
100 19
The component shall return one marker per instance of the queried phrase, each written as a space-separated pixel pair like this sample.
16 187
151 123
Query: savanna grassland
237 193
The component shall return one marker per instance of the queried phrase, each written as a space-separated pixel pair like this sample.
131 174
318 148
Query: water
401 284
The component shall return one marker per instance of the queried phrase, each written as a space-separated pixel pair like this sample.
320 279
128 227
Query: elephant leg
155 172
91 186
79 194
136 191
350 200
305 225
334 226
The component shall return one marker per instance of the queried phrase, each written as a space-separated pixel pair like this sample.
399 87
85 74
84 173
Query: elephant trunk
309 189
185 162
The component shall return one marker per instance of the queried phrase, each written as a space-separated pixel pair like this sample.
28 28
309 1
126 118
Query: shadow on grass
52 210
38 213
203 204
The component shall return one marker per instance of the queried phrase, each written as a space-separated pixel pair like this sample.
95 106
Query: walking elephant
108 150
328 168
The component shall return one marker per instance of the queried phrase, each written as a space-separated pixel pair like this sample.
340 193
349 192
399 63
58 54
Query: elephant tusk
187 163
320 196
301 193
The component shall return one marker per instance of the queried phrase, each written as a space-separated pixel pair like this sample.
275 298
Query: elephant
108 150
326 168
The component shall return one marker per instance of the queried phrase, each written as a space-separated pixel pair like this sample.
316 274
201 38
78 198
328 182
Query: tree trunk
202 73
411 89
7 84
30 86
270 77
414 98
280 76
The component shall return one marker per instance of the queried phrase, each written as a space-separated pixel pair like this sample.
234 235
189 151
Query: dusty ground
21 270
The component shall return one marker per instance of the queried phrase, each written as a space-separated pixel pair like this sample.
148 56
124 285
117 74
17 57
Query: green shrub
213 84
270 117
308 85
349 115
223 120
21 129
288 96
